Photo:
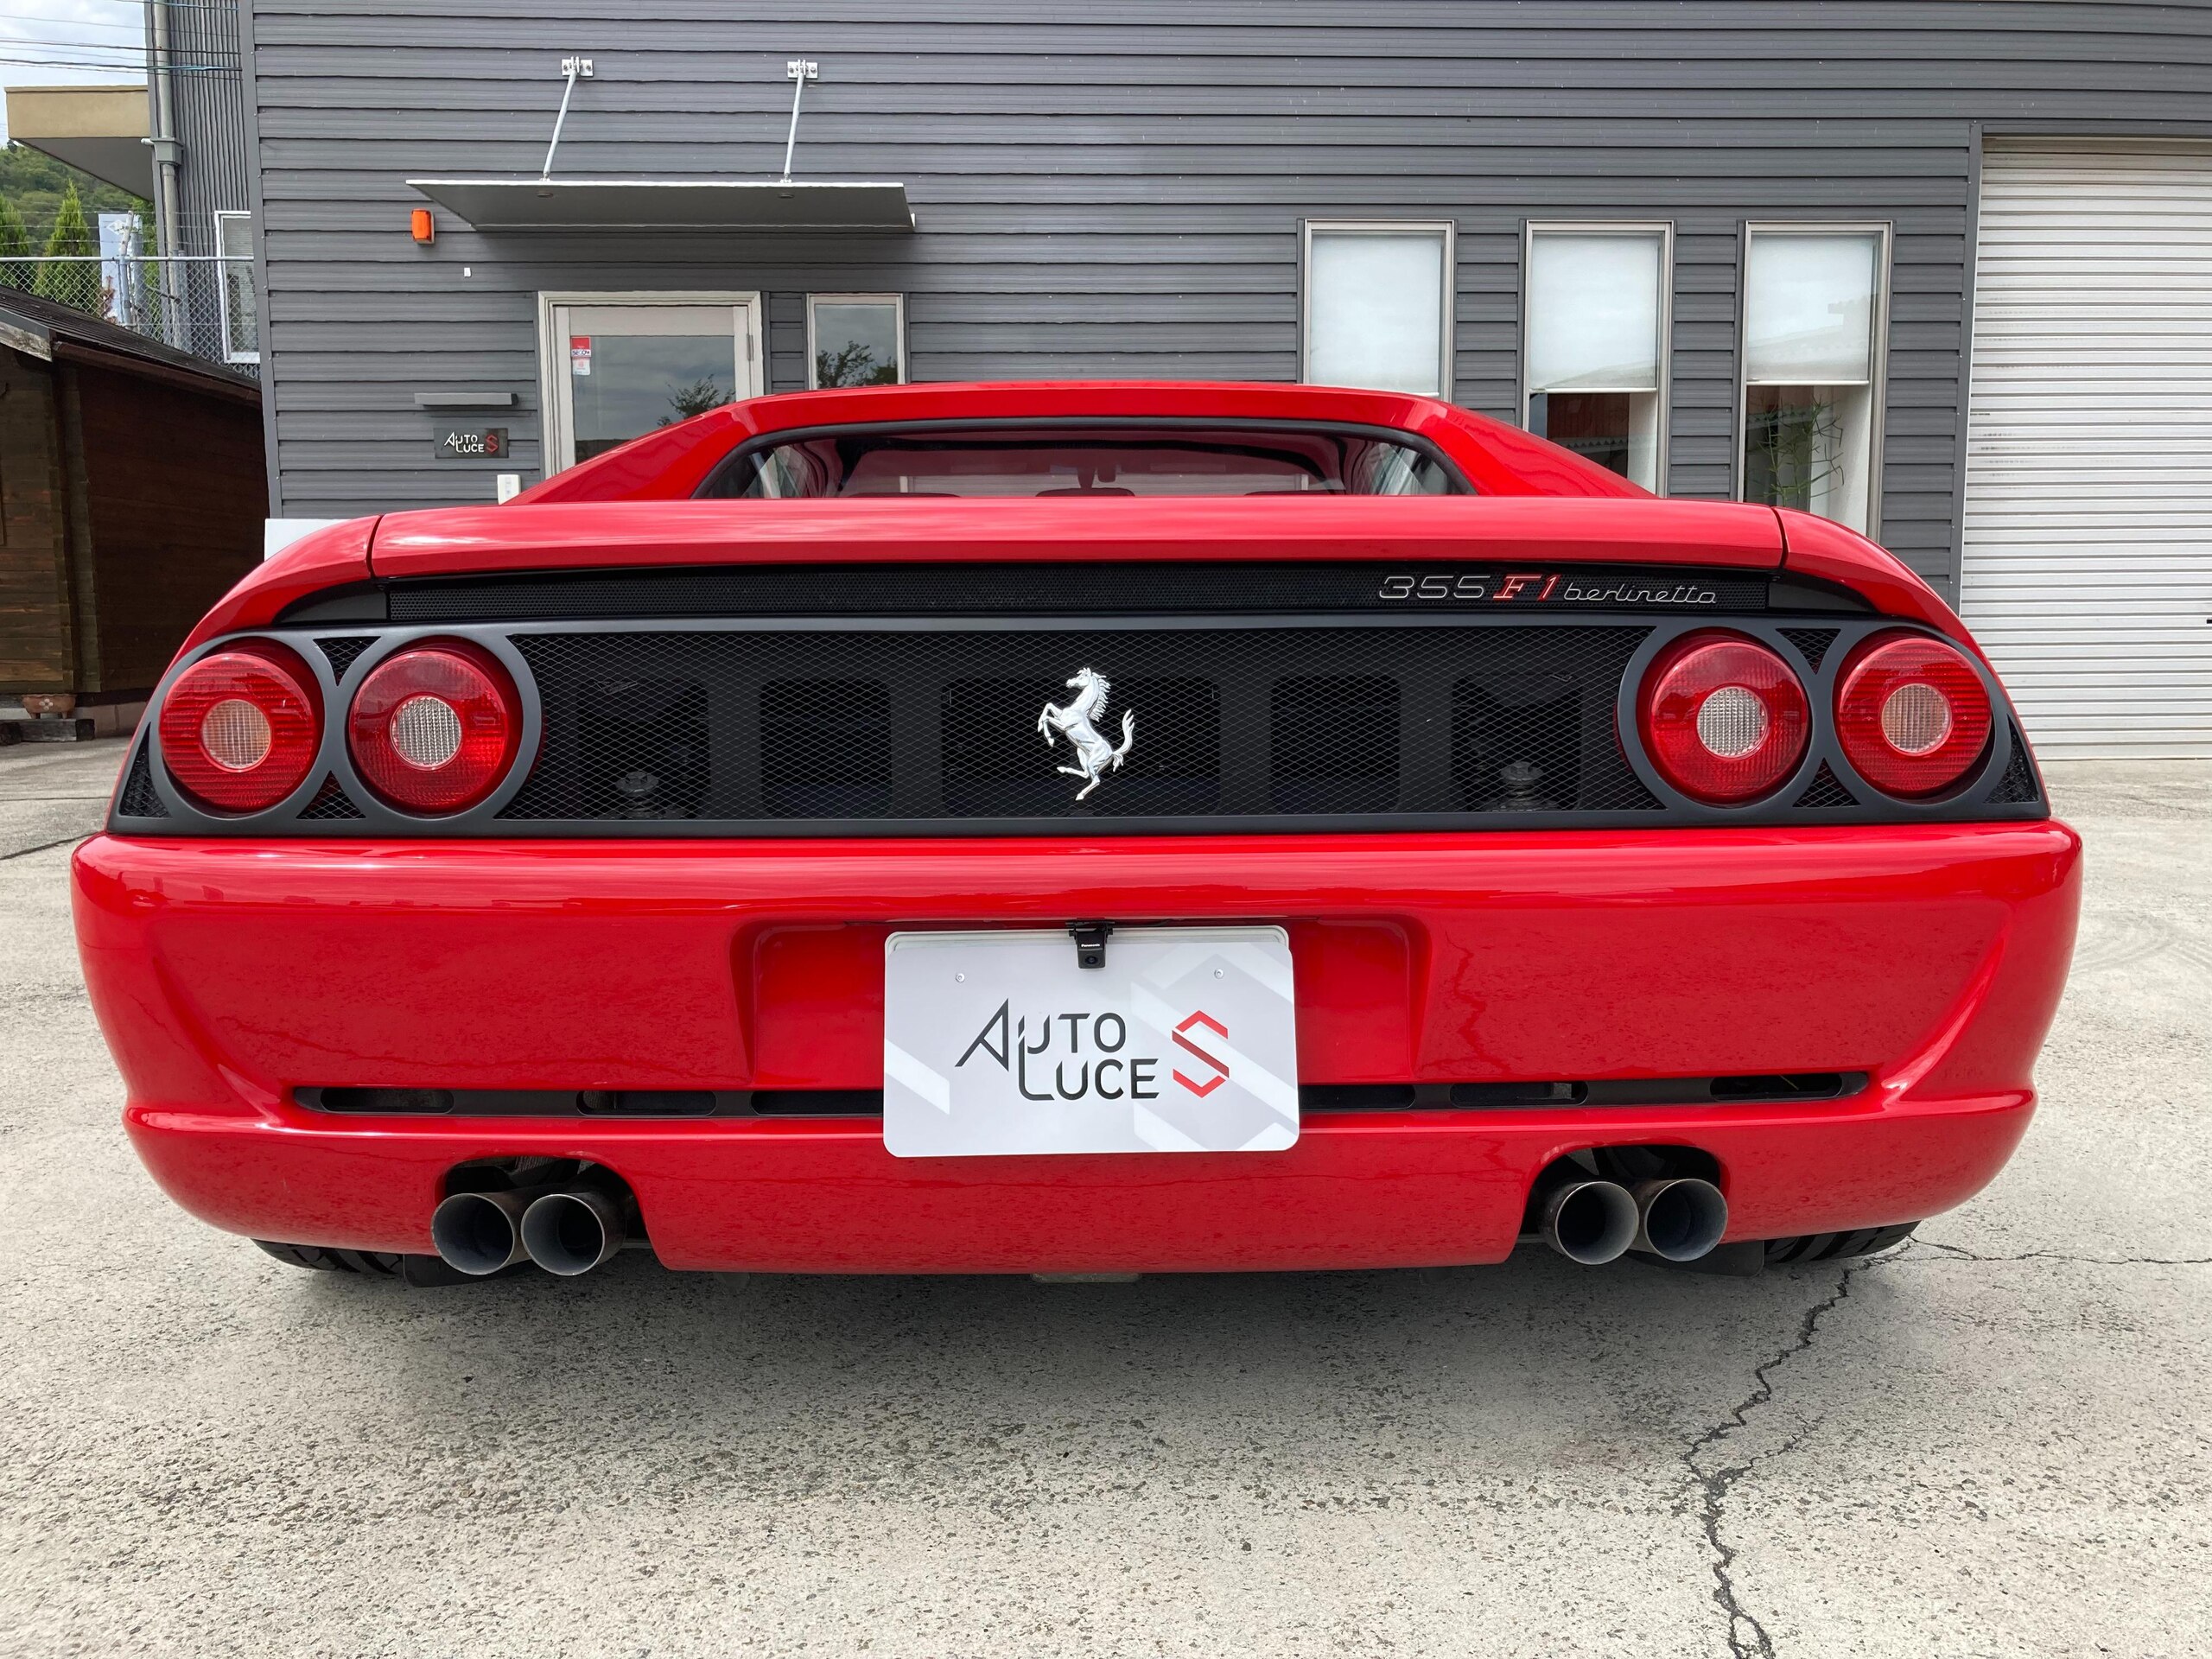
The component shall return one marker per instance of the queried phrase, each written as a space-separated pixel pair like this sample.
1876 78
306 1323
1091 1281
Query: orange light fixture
425 228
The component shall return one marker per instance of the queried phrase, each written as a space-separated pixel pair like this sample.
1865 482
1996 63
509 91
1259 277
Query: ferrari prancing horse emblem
1074 720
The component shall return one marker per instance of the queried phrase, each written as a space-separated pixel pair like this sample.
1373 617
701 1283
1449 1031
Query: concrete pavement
1994 1442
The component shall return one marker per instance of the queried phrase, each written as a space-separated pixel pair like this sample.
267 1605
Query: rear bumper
228 974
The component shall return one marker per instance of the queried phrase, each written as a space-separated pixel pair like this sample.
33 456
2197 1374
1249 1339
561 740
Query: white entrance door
2087 572
619 365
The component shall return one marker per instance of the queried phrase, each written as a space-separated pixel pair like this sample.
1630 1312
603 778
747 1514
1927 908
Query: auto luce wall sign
473 443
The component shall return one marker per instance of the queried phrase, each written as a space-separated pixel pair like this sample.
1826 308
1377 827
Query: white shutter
2087 573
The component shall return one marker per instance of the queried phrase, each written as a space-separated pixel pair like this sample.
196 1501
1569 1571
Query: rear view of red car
1079 828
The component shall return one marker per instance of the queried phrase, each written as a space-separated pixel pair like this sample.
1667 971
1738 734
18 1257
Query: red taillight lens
434 728
1723 718
239 728
1911 714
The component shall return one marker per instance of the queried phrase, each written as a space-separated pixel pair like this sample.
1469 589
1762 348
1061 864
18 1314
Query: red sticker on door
579 353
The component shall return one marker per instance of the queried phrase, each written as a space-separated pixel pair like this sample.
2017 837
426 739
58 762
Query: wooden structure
132 494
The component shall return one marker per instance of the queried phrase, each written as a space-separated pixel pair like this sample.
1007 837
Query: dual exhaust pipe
564 1230
569 1230
1592 1221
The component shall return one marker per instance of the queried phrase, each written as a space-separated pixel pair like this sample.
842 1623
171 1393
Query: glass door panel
622 370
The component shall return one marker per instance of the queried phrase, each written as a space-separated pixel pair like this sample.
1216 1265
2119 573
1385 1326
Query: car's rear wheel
377 1264
1810 1247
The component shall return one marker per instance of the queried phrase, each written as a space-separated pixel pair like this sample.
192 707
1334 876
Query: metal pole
800 71
165 160
574 69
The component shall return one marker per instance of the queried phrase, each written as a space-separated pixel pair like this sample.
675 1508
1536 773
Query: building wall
37 617
1116 188
172 524
208 96
130 501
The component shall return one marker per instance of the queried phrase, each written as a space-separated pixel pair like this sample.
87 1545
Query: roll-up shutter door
2087 572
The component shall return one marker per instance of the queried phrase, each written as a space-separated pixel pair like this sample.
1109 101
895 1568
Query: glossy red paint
671 463
229 974
878 529
1425 957
329 557
1825 551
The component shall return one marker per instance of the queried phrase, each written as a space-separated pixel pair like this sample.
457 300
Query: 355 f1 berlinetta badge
1075 720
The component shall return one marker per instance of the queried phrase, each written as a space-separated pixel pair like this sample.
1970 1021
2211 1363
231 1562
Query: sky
63 42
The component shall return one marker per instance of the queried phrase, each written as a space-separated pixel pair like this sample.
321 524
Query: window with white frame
234 269
1378 305
1593 355
856 339
1815 305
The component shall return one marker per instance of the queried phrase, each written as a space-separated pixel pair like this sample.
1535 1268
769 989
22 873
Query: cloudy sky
58 42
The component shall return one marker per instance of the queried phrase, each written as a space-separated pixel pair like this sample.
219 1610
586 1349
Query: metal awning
670 204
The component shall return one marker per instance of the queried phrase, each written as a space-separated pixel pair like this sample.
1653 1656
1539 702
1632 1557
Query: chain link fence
202 304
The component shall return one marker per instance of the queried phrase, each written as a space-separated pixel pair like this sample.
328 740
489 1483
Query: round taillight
1723 717
1912 714
434 727
239 728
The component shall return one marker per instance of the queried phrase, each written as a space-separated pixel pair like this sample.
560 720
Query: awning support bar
798 71
574 69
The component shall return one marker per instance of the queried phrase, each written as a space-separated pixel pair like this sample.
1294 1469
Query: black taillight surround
1823 789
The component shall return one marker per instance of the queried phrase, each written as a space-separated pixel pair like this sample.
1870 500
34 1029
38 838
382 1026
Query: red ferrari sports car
1078 829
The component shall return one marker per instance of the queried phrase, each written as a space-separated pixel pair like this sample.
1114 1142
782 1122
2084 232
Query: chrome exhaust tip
479 1233
1589 1221
572 1230
1679 1219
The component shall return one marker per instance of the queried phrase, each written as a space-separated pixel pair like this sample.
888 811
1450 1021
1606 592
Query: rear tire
374 1264
1810 1247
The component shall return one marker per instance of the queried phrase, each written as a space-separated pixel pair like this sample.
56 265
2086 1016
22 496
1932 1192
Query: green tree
695 398
16 265
74 278
854 365
36 183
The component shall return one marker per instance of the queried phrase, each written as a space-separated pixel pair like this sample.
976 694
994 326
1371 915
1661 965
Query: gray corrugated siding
1118 191
209 102
208 99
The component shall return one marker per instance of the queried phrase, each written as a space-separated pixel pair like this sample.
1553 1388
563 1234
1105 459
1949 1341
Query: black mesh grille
139 800
1826 790
342 651
934 724
330 802
2018 786
1813 642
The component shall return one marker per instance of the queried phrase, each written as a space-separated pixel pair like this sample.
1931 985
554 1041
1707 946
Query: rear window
1096 460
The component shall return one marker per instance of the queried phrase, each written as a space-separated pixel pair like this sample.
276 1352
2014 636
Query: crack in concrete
1964 1255
1747 1638
1713 1487
48 846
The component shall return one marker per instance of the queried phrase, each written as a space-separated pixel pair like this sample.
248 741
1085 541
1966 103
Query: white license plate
997 1043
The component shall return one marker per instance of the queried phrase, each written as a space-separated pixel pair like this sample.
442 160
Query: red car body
1916 952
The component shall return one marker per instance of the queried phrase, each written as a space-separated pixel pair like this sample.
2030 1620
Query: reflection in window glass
241 317
1101 461
1811 301
855 342
1376 305
624 385
1594 357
